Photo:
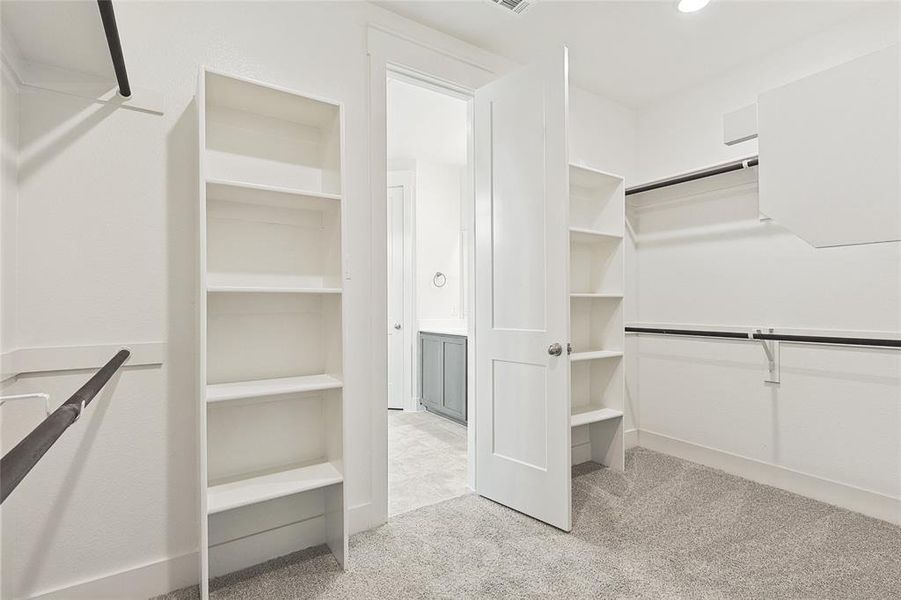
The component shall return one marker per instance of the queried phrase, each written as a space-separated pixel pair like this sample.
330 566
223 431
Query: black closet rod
737 165
108 16
778 337
17 463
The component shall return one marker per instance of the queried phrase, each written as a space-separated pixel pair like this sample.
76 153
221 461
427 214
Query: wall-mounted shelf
589 236
586 415
594 295
263 283
221 392
253 490
272 339
595 355
247 191
597 278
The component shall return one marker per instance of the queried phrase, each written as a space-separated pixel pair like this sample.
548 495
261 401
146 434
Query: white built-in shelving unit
272 334
596 236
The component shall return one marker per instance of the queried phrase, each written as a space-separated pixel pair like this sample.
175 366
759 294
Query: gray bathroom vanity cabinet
442 360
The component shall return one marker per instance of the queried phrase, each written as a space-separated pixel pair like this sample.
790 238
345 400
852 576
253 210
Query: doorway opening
429 273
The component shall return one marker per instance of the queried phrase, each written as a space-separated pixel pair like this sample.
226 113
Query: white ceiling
634 52
425 125
67 33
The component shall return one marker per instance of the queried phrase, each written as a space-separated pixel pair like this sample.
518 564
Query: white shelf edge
253 490
272 289
223 392
596 171
584 415
594 232
594 355
593 295
217 283
248 185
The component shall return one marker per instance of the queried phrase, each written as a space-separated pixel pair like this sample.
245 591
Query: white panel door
396 347
522 307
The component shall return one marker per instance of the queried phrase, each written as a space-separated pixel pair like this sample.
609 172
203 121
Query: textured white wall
708 260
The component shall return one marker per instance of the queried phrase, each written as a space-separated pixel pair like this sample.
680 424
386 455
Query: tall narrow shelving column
597 227
271 324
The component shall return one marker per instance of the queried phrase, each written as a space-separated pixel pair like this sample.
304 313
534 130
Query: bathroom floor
426 460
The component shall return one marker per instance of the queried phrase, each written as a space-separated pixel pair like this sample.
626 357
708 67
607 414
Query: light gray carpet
668 529
426 460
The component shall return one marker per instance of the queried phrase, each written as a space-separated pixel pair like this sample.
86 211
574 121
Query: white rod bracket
35 396
771 348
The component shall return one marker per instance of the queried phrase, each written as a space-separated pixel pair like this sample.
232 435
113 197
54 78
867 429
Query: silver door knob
555 349
397 325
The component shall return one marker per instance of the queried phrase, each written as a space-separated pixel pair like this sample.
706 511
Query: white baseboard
163 576
581 453
630 438
259 547
359 518
139 583
867 502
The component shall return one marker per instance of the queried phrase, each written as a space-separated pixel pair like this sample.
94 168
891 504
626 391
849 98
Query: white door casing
522 304
402 359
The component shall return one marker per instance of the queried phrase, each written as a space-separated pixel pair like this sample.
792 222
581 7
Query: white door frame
451 64
407 181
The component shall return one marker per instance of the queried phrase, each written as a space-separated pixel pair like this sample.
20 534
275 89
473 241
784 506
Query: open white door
522 306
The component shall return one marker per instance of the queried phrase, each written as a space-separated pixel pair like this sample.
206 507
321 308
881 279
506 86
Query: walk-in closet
480 299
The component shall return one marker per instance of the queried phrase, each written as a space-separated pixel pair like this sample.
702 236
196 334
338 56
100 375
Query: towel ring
439 279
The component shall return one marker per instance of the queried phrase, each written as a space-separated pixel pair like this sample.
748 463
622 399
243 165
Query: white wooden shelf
589 236
261 193
253 490
583 415
583 176
222 392
594 295
252 283
595 355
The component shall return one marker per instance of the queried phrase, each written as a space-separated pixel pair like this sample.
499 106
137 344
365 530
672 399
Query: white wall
439 197
706 259
106 255
685 132
9 197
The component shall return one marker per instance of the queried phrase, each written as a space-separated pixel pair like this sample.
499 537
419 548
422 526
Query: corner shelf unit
272 334
596 236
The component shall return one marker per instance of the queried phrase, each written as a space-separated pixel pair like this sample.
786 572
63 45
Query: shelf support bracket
771 348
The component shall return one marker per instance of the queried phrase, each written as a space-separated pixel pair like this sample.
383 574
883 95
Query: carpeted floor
668 529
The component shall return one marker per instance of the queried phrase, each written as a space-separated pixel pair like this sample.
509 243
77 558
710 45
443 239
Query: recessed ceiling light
690 6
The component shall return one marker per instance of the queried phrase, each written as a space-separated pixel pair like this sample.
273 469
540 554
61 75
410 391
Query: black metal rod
16 463
108 16
779 337
719 170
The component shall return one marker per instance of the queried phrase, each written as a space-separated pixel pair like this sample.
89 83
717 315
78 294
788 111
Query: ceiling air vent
517 6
